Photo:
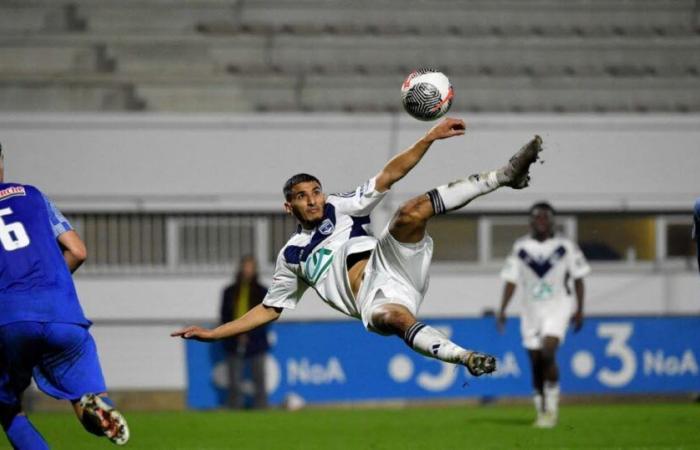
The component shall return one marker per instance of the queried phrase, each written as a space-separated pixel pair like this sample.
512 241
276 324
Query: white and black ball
427 94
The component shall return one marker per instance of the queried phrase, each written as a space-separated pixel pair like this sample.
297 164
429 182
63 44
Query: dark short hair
542 205
294 180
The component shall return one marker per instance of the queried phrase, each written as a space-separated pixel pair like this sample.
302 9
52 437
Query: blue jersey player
43 331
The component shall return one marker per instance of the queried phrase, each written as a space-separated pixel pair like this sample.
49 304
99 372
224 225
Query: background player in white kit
380 281
543 265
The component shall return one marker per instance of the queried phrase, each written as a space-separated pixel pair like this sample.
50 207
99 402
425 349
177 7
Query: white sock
537 400
430 342
551 397
458 193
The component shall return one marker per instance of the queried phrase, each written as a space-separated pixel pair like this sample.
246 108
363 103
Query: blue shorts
62 358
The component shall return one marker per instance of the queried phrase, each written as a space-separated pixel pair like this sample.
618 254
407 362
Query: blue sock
23 436
108 401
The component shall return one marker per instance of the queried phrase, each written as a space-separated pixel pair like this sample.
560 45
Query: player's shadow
503 421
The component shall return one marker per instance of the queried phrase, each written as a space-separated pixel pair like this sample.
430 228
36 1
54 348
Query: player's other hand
446 128
196 333
501 322
577 321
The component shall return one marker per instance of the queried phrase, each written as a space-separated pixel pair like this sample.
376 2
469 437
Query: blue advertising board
325 362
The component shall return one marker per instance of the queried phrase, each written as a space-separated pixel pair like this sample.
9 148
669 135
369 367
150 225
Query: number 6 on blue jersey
13 236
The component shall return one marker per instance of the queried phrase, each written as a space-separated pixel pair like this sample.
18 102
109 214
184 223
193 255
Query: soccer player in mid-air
379 281
43 331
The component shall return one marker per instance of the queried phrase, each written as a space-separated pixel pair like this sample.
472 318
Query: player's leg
394 318
258 373
19 430
235 365
71 371
20 345
409 223
550 376
537 381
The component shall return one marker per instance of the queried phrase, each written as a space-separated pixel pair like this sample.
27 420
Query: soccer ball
426 94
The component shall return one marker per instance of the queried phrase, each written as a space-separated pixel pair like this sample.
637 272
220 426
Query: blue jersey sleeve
58 221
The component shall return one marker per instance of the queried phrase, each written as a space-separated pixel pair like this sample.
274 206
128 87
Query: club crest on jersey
12 191
326 227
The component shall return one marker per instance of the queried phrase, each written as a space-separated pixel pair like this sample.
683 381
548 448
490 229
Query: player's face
542 222
307 202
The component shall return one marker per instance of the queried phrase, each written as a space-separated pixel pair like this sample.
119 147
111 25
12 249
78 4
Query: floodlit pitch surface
613 426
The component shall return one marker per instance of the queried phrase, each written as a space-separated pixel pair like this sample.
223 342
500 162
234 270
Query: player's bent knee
411 213
392 318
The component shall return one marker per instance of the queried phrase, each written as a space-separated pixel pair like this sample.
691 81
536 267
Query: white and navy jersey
543 270
318 258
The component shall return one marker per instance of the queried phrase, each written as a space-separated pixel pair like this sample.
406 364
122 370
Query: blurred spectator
249 348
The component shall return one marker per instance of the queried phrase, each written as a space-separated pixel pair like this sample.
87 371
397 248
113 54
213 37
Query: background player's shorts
396 272
548 318
62 357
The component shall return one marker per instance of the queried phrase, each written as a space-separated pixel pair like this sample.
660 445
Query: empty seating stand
338 55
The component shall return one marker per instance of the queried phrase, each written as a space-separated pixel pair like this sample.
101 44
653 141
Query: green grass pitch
613 426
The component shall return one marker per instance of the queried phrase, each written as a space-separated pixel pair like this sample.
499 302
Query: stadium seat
472 18
502 55
228 94
43 57
23 95
152 17
26 18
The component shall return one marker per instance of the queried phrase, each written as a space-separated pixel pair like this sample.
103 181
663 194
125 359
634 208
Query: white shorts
396 272
550 318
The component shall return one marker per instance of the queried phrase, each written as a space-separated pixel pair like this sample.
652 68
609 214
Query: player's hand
501 322
577 321
196 333
446 128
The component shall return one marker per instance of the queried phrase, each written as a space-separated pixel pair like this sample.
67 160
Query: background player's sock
22 434
551 397
430 342
537 400
458 193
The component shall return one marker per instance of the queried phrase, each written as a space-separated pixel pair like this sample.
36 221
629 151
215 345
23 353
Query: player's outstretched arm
259 315
74 251
402 163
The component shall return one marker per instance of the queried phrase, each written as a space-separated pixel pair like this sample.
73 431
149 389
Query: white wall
172 162
144 162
